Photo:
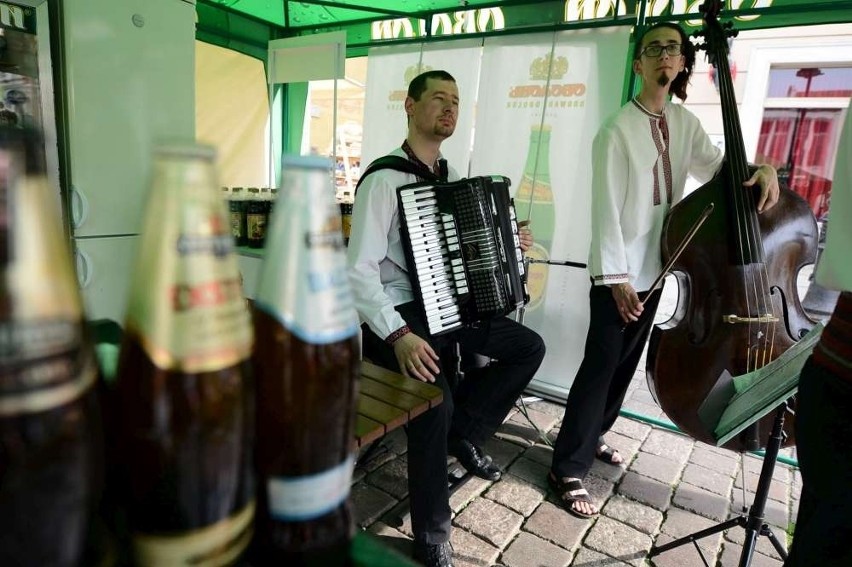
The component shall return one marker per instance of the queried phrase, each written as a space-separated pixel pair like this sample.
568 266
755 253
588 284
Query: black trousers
480 405
609 362
824 449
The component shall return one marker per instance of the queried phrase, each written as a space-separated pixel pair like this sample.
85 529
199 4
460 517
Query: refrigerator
128 78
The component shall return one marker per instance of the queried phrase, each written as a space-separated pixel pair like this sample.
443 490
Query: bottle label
43 365
304 283
213 546
295 499
237 224
256 226
536 275
187 304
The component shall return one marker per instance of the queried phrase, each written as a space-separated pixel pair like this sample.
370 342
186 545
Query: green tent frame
248 25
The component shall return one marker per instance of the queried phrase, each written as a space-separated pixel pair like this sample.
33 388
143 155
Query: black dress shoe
434 554
472 458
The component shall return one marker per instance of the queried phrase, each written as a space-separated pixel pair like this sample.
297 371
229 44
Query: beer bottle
237 208
184 388
306 364
256 216
534 202
51 464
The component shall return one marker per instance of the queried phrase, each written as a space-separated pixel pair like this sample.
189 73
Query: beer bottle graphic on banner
185 394
306 365
534 201
51 461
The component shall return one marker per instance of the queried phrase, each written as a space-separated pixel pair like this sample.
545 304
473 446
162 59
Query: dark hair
680 82
417 86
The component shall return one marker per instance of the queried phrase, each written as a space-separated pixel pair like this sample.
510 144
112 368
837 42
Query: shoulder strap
399 164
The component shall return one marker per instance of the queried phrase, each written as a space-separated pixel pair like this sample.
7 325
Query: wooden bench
389 400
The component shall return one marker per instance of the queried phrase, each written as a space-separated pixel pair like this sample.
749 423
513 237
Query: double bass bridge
735 319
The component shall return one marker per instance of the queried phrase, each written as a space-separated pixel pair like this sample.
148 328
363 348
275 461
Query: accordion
463 252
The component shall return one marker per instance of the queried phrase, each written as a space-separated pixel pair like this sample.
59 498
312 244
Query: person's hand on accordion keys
416 358
525 235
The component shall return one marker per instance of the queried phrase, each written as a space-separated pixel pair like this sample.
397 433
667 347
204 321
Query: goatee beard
663 80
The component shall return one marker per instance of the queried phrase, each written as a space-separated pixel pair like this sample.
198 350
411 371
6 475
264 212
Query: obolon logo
577 10
547 83
396 97
455 23
12 16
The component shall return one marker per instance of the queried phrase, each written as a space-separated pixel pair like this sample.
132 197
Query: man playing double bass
641 158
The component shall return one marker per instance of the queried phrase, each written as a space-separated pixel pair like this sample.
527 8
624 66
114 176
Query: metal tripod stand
753 523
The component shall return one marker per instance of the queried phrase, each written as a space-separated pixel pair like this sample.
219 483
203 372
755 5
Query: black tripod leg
779 547
738 521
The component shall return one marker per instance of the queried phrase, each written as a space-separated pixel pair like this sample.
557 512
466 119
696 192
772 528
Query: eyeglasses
657 50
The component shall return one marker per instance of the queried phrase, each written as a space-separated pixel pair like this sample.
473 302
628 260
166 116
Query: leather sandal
569 492
606 454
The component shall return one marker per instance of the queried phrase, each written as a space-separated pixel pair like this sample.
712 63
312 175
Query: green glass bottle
534 202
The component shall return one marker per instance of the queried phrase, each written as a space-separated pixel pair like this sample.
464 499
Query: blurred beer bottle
534 202
184 388
50 438
306 364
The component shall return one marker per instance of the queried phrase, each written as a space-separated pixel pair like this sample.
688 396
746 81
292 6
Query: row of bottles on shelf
250 209
221 432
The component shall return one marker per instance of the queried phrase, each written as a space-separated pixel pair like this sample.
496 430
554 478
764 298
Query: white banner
542 99
389 70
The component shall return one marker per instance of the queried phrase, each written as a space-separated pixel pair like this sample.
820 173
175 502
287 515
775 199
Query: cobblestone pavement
669 486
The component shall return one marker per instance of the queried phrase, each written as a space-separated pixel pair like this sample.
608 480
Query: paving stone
555 409
643 518
599 489
520 434
667 444
731 558
665 470
540 453
618 540
631 428
610 473
764 546
393 538
530 471
465 494
775 513
490 521
392 477
502 452
586 557
369 503
648 410
682 555
680 523
710 458
778 490
754 464
645 490
551 523
528 550
516 495
700 501
399 518
536 419
643 395
470 551
627 446
708 479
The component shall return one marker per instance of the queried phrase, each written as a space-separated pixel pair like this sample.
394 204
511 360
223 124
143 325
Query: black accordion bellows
463 252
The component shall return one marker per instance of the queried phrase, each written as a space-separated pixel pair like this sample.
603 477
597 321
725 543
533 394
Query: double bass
738 306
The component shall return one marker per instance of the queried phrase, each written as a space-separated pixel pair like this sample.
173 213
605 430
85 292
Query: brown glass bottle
50 437
306 364
184 387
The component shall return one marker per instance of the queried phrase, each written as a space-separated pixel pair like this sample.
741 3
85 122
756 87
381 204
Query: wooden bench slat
377 410
367 430
414 405
400 382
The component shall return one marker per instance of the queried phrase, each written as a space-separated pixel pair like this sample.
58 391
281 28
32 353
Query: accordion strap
404 165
